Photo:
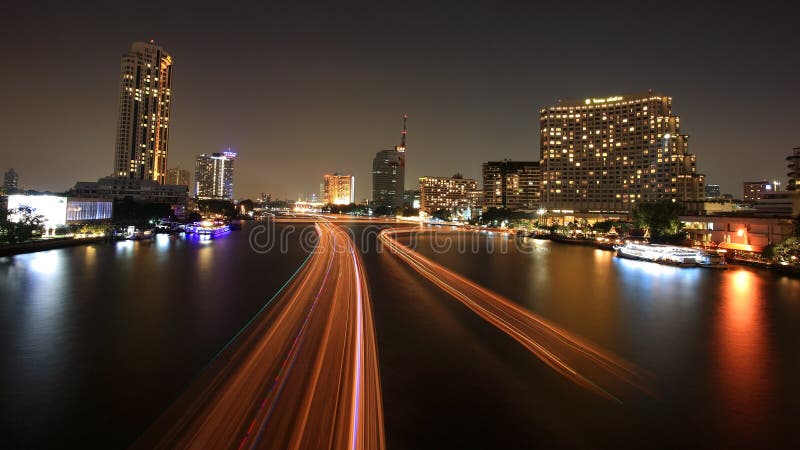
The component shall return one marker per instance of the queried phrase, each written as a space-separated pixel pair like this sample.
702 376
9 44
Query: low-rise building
138 190
60 210
746 233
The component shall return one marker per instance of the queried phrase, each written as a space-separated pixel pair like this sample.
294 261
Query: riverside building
605 155
145 101
514 185
338 189
455 194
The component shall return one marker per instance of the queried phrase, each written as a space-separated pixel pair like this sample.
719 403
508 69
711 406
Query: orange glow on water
742 355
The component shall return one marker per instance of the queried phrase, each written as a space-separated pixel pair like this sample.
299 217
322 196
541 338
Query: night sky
300 89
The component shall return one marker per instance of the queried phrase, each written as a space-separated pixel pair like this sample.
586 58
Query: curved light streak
303 374
594 369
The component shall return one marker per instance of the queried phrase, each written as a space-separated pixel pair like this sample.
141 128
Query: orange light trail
586 365
304 374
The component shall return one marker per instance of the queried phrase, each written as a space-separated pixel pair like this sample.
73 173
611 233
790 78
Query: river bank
49 244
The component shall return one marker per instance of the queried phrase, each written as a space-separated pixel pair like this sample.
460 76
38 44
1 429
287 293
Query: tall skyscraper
338 189
178 176
388 174
455 194
145 101
607 154
794 170
214 176
514 185
10 181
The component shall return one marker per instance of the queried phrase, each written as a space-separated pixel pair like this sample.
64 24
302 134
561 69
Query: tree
661 218
788 250
441 214
19 225
383 211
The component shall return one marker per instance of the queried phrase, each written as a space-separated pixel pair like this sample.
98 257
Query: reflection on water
743 357
117 330
723 345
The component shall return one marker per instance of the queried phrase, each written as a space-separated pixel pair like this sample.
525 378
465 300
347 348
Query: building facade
514 185
455 194
794 170
149 191
10 181
145 101
607 154
214 176
745 233
178 176
713 191
754 190
388 177
338 189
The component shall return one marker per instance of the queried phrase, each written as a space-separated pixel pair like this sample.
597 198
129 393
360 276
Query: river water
98 340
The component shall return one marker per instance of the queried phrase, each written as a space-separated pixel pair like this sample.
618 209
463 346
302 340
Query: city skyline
477 103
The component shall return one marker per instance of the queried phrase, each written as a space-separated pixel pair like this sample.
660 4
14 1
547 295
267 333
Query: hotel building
456 194
338 189
214 176
144 108
607 154
514 185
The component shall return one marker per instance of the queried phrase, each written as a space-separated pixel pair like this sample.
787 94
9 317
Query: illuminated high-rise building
514 185
145 101
388 174
178 176
214 176
338 189
608 154
455 194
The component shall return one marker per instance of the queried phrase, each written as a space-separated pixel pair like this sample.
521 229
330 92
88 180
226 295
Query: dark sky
301 89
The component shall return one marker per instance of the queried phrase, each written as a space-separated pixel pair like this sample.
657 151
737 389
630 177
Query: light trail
304 373
586 365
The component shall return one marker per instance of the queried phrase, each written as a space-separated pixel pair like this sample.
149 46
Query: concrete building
178 176
745 233
753 190
214 176
515 185
455 194
781 203
794 170
607 154
10 181
713 191
145 102
149 191
338 189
